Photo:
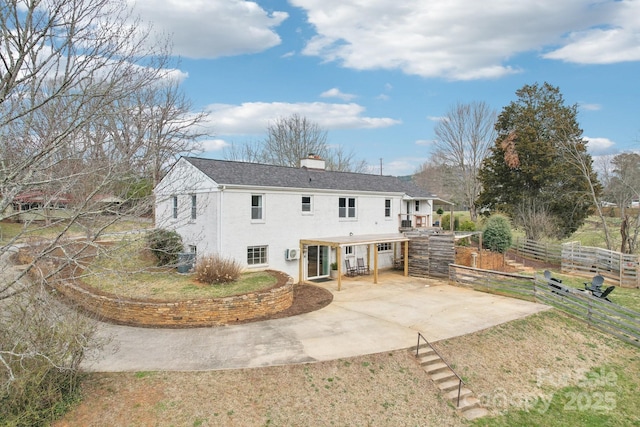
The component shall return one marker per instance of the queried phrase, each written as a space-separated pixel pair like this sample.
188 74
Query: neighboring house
37 205
267 216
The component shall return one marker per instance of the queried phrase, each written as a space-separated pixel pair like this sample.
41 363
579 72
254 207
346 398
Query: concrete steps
447 381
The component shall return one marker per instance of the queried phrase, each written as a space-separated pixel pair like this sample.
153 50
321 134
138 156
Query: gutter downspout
220 210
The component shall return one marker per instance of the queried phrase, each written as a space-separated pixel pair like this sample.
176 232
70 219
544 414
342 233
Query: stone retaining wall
181 314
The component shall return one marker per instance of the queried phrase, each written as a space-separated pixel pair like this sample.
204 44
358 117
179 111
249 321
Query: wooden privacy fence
615 266
431 254
598 313
547 252
622 269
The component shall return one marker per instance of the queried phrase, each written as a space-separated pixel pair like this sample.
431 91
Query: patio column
339 261
301 264
375 263
406 258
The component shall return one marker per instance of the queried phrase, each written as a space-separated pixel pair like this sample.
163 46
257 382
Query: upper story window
306 204
175 206
387 208
256 206
417 205
194 206
347 207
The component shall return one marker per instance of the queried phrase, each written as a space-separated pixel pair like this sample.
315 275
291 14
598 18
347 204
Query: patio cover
361 240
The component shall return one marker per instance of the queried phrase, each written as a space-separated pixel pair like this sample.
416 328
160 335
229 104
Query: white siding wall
223 222
201 232
284 223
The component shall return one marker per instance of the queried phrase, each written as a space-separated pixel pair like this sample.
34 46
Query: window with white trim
347 207
306 204
385 247
257 255
387 208
194 206
256 206
348 250
175 206
417 205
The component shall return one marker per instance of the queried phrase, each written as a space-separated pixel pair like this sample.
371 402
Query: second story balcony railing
414 221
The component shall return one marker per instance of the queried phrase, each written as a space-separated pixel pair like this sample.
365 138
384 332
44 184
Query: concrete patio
363 318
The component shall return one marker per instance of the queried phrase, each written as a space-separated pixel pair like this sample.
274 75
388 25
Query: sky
378 75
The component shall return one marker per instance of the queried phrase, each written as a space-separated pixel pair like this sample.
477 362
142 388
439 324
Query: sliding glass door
317 261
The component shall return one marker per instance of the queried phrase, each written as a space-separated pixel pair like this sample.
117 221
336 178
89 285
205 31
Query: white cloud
425 142
616 39
213 144
335 93
436 118
461 39
212 28
400 166
254 117
590 107
598 145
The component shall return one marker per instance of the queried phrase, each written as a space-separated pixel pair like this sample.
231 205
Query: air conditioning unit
291 254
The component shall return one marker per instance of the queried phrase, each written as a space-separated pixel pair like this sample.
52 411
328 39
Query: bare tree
343 161
292 138
250 152
437 179
464 137
575 154
534 216
623 188
154 124
67 69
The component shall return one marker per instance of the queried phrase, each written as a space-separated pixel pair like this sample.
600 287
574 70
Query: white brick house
276 217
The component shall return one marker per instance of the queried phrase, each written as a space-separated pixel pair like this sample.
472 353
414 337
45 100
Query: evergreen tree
528 174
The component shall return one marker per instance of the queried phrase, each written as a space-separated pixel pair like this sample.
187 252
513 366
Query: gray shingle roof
226 172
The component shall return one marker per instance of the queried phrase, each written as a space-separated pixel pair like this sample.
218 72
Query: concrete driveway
362 319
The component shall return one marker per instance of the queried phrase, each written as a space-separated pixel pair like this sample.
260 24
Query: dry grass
129 271
507 366
380 389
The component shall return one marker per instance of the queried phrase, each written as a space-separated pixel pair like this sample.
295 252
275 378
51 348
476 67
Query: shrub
468 226
165 245
497 234
446 222
214 269
40 370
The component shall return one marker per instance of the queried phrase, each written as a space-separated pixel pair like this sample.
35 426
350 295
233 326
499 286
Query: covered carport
371 240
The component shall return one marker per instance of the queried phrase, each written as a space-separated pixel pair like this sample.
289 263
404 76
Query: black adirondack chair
596 284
